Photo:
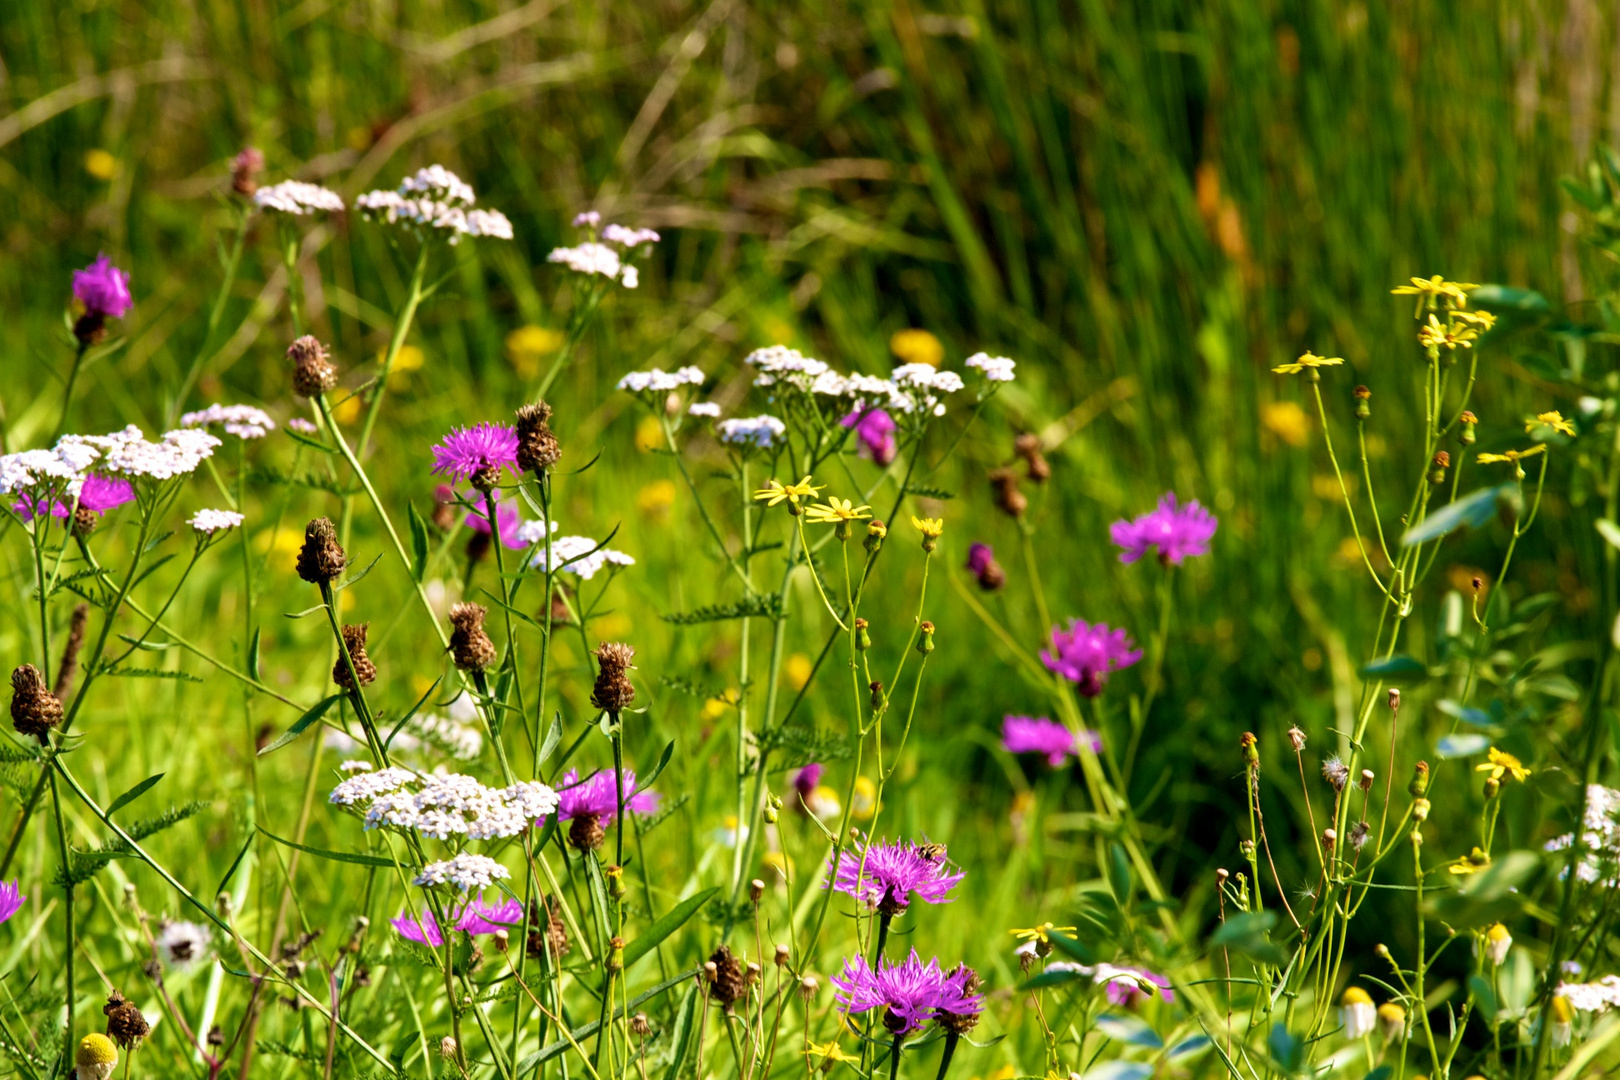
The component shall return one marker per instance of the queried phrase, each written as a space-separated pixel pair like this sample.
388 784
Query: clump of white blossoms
297 197
1600 857
30 469
127 453
243 421
1593 997
600 257
658 381
755 433
357 790
780 364
993 368
580 555
447 806
923 384
707 409
213 521
181 945
465 872
434 198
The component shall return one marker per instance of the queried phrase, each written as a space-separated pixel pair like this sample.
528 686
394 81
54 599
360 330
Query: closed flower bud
245 167
538 449
1028 447
321 559
1246 849
1442 462
1493 786
640 1026
1394 697
1221 876
470 645
1367 779
1296 738
876 687
447 1047
863 639
615 957
770 814
354 644
313 373
1009 499
781 955
1420 810
1420 780
34 709
613 692
615 882
1466 436
756 890
809 987
1363 409
503 940
875 532
1329 838
1251 750
925 643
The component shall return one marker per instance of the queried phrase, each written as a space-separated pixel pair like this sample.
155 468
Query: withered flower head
613 692
470 646
321 560
538 449
730 980
34 709
126 1025
313 373
354 642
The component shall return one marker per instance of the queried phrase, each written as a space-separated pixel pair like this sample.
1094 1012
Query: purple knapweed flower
11 899
507 517
979 557
806 779
1032 735
98 494
1179 532
884 875
477 453
958 997
1086 653
874 429
474 917
103 289
910 993
1132 986
598 796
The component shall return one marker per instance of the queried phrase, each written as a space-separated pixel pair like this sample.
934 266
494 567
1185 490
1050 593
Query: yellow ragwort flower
1309 360
1501 764
929 527
1510 455
774 492
1038 933
1554 420
1472 863
821 1053
1433 289
1482 319
1434 334
835 511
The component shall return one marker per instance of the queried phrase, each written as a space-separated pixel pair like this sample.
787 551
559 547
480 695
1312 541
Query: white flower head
594 258
367 787
302 426
580 555
466 872
127 453
243 421
298 198
707 409
658 381
434 198
628 238
354 765
759 432
531 532
993 368
780 364
213 521
182 945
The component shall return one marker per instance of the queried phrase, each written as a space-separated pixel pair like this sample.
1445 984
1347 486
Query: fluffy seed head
313 373
1336 773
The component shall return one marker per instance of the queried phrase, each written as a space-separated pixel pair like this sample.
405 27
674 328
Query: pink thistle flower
598 796
884 876
1086 653
806 779
874 429
473 917
909 993
103 289
11 899
1179 532
98 494
507 517
477 453
979 557
1031 735
1132 986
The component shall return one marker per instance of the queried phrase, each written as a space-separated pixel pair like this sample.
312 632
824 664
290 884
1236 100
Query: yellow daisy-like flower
835 512
929 527
1039 933
775 492
1482 319
821 1053
1510 455
1308 361
1554 420
1434 335
1431 290
1472 863
1502 764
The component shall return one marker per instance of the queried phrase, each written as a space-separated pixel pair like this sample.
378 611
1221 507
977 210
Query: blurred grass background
1147 204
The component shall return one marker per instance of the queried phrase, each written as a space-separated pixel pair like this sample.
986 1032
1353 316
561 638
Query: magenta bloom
885 876
482 451
806 779
957 993
103 289
507 517
11 899
598 796
98 494
1086 653
1133 986
910 993
979 557
1031 735
1177 531
474 917
874 429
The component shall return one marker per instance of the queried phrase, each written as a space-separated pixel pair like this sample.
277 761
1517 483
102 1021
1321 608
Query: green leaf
302 724
1129 1029
1119 874
1286 1050
1498 299
663 762
357 578
419 545
253 656
132 794
230 873
1493 894
1071 946
1396 667
671 921
680 1033
411 712
1464 745
1249 934
553 738
1484 996
1472 510
1466 713
336 856
1060 977
767 605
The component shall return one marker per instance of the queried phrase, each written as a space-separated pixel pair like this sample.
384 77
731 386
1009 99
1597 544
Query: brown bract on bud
613 692
85 521
321 560
781 955
992 577
585 833
538 449
1363 409
756 890
245 168
1394 697
1329 838
34 709
1028 447
470 646
1251 750
90 328
730 978
1442 462
126 1024
640 1026
354 643
1009 499
313 373
959 1024
1367 779
502 940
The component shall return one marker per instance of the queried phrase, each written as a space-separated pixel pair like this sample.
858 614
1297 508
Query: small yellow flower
1287 421
1308 361
1472 863
798 670
649 434
1482 319
347 411
1501 764
929 527
1429 291
774 492
95 1057
656 498
917 347
821 1053
100 164
1434 335
1039 933
1554 420
835 512
1510 455
526 345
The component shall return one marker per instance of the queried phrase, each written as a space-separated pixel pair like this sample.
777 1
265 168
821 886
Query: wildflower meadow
550 541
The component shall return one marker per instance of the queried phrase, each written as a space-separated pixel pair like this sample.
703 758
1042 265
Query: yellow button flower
1554 420
835 512
1039 933
1430 290
1501 764
1307 362
775 492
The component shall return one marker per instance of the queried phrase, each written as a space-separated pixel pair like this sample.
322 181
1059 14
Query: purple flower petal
884 876
1086 653
103 289
468 451
1178 532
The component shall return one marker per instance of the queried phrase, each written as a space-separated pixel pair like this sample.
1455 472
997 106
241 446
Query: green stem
67 391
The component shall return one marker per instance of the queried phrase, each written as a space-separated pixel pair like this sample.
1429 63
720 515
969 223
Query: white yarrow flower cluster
923 384
27 469
593 258
465 872
659 381
993 368
446 806
243 421
354 765
580 555
213 521
127 453
435 198
372 785
1593 997
707 409
780 364
181 945
759 432
629 238
530 532
1600 859
297 197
